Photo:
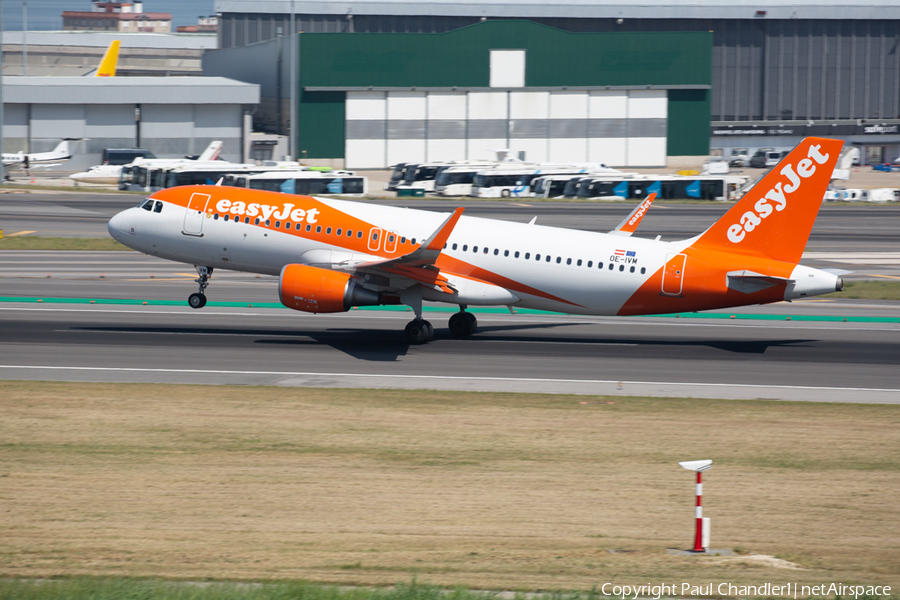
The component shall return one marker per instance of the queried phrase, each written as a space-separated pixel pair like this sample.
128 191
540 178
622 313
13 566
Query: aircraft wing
631 222
419 265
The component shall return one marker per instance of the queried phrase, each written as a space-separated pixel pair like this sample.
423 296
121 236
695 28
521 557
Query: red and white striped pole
698 537
699 466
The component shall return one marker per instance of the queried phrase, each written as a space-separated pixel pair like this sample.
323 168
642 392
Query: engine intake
316 290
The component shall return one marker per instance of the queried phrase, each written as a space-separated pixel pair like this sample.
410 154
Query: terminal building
776 72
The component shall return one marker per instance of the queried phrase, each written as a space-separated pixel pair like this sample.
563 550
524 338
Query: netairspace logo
786 590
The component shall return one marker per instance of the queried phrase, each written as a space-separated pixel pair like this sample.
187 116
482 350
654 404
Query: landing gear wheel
460 325
197 300
418 331
472 322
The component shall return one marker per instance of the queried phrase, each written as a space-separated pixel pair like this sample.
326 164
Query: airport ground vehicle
344 183
514 183
331 255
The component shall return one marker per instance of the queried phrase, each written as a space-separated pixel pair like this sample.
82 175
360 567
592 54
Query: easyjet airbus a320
331 255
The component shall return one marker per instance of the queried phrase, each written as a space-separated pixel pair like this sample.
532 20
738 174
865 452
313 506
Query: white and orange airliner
331 255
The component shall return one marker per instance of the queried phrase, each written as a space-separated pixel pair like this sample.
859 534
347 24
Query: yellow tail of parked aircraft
110 60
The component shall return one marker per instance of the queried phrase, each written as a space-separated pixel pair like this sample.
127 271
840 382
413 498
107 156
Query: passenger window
611 266
328 231
590 264
309 228
287 225
568 261
319 230
621 267
158 207
486 250
216 217
548 258
225 217
506 253
413 241
339 231
277 224
643 270
537 257
349 233
517 254
454 246
358 233
246 220
558 259
632 269
465 247
474 248
403 241
391 237
579 262
267 222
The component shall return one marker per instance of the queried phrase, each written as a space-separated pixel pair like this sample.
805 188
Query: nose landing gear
463 324
198 300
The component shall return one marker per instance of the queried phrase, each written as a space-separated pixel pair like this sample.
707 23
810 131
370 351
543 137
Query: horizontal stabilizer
748 282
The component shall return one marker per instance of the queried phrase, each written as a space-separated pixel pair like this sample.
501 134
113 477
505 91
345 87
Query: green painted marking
450 309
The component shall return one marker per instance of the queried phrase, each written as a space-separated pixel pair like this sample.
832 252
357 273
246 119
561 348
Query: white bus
424 176
506 183
457 180
150 178
304 183
554 186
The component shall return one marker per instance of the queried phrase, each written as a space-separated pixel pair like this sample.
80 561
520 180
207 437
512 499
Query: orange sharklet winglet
630 223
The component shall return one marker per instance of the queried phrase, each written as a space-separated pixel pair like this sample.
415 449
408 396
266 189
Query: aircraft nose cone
119 226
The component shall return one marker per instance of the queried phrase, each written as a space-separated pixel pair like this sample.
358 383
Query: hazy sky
46 14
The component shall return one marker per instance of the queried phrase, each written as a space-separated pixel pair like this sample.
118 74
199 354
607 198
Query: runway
243 338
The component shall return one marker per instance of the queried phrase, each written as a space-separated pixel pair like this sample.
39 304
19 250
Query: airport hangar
170 116
778 72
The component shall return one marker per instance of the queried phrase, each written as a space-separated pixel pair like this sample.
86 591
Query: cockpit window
147 205
157 207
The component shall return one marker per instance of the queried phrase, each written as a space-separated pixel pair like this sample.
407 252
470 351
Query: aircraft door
673 275
390 241
193 215
374 239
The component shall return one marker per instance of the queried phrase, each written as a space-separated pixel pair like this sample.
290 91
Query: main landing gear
462 324
198 300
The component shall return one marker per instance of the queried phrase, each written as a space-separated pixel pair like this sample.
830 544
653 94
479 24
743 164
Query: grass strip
450 309
28 242
872 290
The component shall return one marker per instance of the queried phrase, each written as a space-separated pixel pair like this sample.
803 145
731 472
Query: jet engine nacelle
316 290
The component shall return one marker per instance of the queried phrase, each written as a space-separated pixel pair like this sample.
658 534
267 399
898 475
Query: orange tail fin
776 216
